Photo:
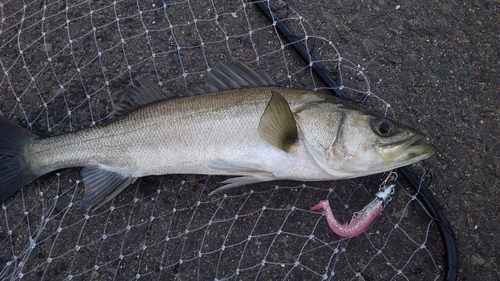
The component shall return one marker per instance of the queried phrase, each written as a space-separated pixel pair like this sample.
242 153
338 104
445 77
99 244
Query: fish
240 124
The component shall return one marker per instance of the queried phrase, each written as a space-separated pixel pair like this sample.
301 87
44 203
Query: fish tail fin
14 172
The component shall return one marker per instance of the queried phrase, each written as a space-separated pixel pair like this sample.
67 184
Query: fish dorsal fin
233 75
142 93
277 125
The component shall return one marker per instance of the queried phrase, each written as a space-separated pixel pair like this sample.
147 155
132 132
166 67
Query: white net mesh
64 65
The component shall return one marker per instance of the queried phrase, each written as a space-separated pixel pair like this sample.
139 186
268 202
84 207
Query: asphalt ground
435 62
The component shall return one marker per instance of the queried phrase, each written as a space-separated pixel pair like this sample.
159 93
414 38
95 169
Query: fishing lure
363 219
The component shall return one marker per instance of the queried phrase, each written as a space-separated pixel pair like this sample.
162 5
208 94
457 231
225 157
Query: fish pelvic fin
14 170
234 182
277 125
101 186
227 167
252 175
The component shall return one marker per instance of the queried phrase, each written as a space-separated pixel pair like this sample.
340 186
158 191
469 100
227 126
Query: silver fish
239 124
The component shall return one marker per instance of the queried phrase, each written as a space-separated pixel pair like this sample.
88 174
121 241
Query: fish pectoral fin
102 186
230 168
277 125
142 93
234 182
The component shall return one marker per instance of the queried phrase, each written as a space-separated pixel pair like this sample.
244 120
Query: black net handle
447 235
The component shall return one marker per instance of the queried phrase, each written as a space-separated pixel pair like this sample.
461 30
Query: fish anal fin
277 125
101 186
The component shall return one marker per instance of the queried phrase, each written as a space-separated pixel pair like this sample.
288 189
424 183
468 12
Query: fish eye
384 127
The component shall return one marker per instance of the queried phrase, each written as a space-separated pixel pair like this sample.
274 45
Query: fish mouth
408 151
412 151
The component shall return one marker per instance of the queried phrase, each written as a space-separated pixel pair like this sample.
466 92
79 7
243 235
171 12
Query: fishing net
64 66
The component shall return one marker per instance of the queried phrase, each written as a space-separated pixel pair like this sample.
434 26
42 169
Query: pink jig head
362 220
